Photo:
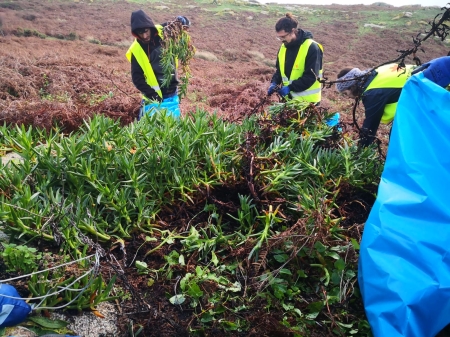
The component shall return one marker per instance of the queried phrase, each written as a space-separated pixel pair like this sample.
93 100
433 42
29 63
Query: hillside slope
64 60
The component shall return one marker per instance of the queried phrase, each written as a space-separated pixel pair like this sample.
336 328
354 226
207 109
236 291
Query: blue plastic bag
12 311
333 120
172 104
404 265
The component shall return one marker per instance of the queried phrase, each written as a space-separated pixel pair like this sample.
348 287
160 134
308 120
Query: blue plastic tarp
404 266
12 310
333 120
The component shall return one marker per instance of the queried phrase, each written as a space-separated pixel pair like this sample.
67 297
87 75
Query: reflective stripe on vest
160 30
390 76
314 92
142 58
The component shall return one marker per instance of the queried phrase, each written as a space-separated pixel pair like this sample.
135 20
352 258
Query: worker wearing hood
145 57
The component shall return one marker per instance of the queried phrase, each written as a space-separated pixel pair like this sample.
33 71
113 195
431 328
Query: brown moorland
63 61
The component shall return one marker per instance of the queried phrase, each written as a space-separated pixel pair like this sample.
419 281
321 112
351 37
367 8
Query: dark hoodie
153 50
313 61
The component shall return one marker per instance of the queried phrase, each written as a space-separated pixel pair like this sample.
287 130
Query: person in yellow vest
379 89
147 73
299 63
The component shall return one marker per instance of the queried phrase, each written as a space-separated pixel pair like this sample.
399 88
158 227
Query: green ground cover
261 210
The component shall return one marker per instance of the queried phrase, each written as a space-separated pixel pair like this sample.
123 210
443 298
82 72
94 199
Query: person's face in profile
348 93
144 34
286 37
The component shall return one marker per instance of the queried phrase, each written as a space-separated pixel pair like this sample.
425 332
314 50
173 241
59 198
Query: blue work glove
272 88
284 91
437 71
183 20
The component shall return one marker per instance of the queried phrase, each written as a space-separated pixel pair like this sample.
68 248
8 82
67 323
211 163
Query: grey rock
373 25
89 325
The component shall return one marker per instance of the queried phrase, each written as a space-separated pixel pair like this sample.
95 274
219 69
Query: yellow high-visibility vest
390 76
142 58
314 92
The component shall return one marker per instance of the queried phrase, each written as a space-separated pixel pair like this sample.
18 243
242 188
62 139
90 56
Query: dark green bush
10 5
95 41
29 32
29 17
71 36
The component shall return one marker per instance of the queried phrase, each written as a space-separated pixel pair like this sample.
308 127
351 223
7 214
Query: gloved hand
437 70
284 91
183 20
150 100
272 88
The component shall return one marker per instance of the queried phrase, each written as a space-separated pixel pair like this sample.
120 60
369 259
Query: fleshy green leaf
48 323
177 299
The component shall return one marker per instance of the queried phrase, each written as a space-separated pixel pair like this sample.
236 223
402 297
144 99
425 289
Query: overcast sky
440 3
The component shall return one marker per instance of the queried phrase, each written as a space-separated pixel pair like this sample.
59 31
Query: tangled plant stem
176 48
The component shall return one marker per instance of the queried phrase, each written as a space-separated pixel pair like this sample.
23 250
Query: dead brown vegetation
82 69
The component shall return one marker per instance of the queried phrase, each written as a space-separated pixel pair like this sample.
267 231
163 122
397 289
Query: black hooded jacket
153 50
313 62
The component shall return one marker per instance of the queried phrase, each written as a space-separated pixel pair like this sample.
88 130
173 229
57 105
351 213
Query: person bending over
379 90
